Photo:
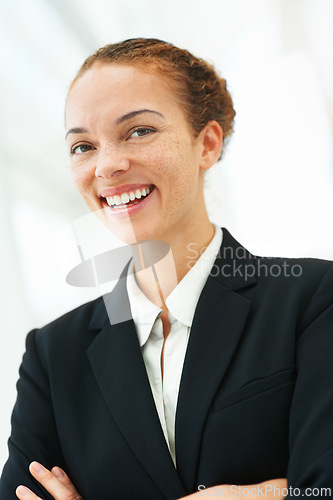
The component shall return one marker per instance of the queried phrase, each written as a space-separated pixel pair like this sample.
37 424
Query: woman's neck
158 281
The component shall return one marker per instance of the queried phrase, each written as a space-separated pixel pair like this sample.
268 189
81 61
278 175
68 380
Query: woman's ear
212 143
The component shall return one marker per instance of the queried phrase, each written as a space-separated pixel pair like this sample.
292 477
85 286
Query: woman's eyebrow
128 116
138 112
76 130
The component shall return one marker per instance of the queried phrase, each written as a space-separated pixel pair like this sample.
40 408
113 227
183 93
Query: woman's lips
125 188
129 197
133 207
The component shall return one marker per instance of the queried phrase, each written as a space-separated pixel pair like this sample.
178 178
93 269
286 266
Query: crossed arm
58 484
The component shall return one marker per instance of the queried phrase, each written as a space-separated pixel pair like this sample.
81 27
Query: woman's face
133 154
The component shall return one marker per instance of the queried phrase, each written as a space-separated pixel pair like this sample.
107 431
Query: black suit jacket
255 399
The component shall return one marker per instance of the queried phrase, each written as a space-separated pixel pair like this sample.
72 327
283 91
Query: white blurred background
273 188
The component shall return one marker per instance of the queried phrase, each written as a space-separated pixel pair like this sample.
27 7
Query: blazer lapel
118 366
217 327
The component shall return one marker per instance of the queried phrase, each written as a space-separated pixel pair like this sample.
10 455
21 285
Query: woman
223 376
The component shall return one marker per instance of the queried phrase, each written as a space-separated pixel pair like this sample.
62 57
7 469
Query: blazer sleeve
311 415
34 434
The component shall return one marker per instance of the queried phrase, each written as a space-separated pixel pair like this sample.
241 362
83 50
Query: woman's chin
135 224
127 230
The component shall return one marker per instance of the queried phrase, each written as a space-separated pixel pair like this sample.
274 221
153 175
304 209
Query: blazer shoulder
74 331
308 272
299 272
288 282
71 327
298 277
311 268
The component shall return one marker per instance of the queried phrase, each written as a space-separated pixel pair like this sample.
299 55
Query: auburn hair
201 91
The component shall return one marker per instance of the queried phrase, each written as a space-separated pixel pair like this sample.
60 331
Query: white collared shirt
181 304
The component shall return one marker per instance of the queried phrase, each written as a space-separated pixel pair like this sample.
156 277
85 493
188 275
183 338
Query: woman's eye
140 132
80 149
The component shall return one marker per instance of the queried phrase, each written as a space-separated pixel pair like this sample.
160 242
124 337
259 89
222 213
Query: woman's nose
110 162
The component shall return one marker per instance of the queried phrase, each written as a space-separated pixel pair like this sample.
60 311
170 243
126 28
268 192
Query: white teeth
125 198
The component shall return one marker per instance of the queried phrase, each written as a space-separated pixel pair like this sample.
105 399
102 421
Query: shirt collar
182 301
144 312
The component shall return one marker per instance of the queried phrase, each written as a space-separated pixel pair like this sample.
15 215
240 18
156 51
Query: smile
128 199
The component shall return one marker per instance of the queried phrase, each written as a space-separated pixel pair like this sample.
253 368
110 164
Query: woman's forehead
120 88
113 78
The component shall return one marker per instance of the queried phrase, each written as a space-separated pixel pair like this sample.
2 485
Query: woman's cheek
153 160
82 176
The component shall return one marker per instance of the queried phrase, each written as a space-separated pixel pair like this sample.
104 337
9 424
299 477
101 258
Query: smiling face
133 153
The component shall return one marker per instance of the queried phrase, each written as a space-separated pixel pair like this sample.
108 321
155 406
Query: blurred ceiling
43 42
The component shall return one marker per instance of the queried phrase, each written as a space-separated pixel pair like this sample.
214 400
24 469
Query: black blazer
255 399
